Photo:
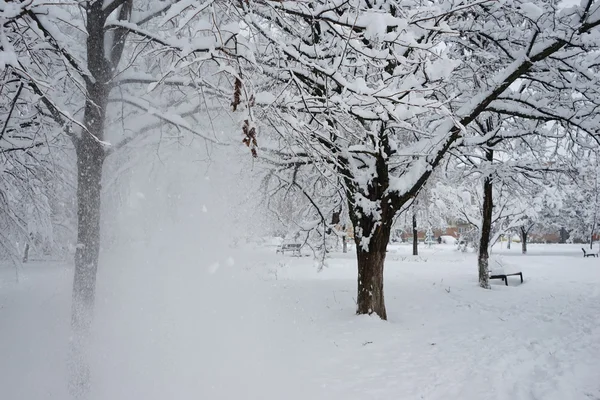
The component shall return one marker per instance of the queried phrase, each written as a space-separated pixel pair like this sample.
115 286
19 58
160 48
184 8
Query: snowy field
256 325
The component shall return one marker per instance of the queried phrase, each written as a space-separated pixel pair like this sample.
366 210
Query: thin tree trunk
524 235
509 240
26 253
486 228
344 242
371 259
415 235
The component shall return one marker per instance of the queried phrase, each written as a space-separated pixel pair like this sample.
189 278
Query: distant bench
586 254
293 247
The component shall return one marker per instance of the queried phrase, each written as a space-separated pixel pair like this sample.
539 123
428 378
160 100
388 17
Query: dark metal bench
586 254
504 277
293 247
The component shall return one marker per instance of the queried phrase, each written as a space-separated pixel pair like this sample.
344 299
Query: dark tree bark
371 258
89 175
486 227
415 235
90 157
26 253
524 234
372 234
564 235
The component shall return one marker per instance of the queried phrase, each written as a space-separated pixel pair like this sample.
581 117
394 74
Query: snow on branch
172 118
206 44
54 37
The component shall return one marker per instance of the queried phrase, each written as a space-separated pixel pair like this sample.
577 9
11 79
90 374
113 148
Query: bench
586 254
504 277
293 247
500 269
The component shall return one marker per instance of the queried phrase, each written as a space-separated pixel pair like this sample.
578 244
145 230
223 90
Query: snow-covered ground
256 325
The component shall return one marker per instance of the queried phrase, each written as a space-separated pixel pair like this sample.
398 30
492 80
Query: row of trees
354 104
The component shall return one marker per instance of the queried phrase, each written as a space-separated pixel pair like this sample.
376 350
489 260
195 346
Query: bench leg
521 275
506 280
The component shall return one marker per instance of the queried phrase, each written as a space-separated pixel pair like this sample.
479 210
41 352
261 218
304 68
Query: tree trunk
90 158
89 176
26 253
415 236
564 235
344 242
371 258
486 228
509 241
524 235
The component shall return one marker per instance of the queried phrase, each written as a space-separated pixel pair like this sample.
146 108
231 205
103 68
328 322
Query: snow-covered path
270 327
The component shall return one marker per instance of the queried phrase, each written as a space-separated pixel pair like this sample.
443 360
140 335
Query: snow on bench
500 269
293 247
586 254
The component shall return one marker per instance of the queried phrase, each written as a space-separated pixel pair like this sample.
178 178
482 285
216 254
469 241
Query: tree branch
12 108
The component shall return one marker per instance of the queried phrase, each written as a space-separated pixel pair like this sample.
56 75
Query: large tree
106 72
378 92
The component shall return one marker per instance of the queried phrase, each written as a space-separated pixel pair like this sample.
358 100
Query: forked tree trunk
415 236
486 228
371 258
524 235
